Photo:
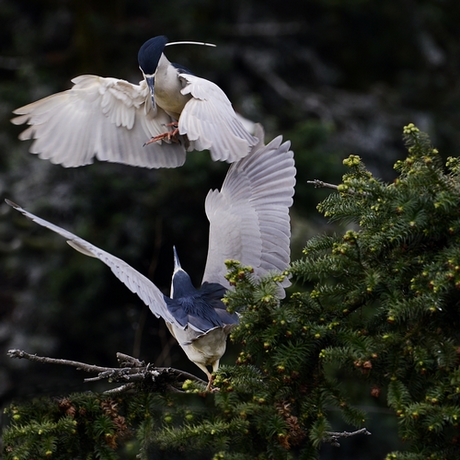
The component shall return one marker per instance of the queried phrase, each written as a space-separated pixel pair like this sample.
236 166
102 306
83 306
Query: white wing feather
210 123
103 118
131 278
249 217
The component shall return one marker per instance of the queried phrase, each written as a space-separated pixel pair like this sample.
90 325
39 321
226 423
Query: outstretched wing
210 123
101 118
249 217
131 278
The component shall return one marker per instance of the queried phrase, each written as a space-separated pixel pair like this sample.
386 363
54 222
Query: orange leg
210 382
168 135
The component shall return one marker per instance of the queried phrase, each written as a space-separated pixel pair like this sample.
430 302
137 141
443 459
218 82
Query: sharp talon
209 385
171 136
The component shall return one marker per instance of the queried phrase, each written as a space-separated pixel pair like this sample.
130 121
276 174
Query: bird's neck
168 87
181 285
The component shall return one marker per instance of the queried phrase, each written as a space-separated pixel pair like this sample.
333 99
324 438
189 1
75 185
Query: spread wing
103 118
131 278
210 123
249 216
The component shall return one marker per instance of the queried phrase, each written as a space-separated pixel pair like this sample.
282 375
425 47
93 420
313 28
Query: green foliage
392 286
65 428
384 308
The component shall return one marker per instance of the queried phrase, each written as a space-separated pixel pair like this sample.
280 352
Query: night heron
249 222
171 110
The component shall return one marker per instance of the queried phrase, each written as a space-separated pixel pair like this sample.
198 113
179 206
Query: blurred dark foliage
335 77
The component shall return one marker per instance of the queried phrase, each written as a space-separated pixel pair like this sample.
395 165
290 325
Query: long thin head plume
150 52
191 43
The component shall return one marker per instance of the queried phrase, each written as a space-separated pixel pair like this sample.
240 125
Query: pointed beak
151 84
176 260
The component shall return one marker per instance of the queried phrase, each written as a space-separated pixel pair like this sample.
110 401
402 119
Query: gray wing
210 123
131 278
249 217
103 118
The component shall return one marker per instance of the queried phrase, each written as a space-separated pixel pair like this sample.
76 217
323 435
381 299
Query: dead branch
332 437
130 372
319 183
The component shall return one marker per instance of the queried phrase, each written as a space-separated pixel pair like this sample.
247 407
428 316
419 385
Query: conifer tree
381 301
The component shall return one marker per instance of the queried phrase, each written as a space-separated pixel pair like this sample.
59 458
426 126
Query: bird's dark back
201 308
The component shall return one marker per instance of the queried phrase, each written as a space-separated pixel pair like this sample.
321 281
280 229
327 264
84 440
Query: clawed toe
171 136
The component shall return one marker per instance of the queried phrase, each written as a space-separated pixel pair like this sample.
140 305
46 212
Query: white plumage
111 119
249 222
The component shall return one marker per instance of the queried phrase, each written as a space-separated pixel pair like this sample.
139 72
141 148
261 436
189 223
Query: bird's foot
171 136
209 387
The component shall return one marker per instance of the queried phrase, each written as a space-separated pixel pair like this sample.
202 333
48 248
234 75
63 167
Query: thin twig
333 436
319 183
14 353
180 374
129 361
121 388
120 374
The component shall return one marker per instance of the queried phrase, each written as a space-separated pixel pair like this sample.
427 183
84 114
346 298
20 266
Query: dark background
333 76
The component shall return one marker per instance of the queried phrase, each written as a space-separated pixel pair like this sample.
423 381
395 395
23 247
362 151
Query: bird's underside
203 349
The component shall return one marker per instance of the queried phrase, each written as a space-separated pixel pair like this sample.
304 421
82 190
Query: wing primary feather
249 216
131 278
104 118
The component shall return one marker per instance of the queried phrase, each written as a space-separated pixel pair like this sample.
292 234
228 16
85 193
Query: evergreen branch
333 436
132 370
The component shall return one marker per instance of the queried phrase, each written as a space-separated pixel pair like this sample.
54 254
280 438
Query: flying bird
171 111
249 222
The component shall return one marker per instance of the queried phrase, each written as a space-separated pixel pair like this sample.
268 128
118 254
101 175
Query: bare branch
131 370
121 389
319 183
333 436
126 361
14 353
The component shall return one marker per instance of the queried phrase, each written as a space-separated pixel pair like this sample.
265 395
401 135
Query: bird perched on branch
171 111
249 222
